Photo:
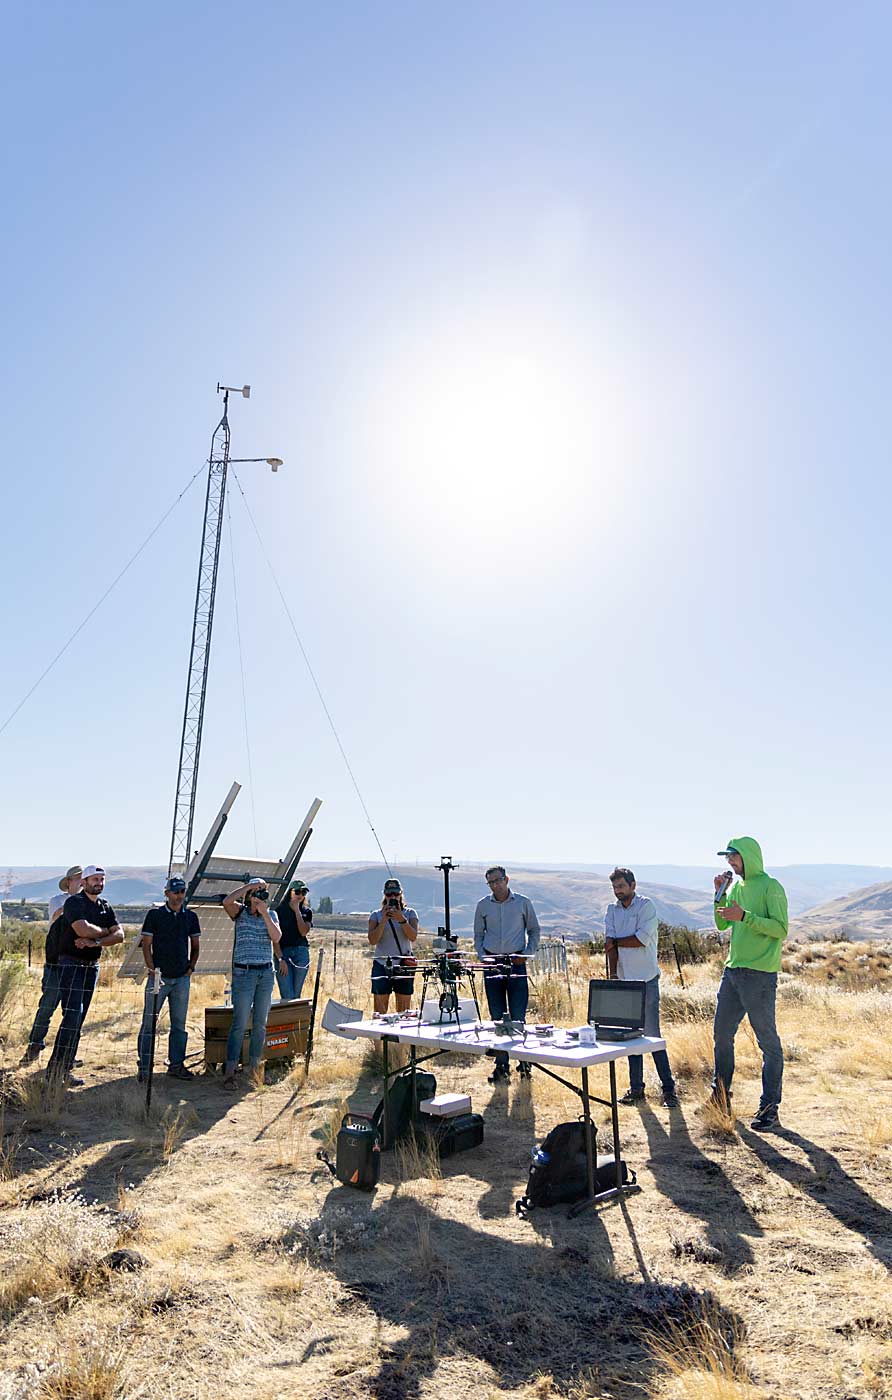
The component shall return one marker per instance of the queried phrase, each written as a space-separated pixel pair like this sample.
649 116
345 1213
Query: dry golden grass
264 1276
701 1360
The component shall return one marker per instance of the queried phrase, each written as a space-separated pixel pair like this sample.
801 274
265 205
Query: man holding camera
756 914
170 942
392 930
506 932
631 939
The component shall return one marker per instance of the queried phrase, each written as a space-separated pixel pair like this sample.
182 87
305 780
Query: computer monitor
615 1003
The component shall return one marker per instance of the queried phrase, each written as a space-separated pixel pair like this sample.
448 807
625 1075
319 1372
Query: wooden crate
287 1027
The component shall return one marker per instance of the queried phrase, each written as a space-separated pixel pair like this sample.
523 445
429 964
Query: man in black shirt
89 924
50 991
170 942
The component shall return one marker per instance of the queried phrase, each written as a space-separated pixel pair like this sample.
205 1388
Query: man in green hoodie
755 910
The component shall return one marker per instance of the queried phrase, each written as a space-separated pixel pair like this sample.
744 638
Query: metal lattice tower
200 655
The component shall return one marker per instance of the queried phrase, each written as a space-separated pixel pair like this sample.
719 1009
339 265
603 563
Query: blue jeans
50 996
252 995
651 1027
298 960
174 991
77 982
509 993
745 992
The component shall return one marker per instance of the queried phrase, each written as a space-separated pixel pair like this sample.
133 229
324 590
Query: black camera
259 894
393 901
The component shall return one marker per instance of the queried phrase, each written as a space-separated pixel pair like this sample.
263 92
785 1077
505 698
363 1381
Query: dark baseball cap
392 886
731 851
175 885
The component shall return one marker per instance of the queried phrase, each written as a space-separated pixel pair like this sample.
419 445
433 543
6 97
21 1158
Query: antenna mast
202 626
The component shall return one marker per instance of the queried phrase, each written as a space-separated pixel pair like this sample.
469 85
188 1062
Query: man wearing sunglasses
505 926
170 942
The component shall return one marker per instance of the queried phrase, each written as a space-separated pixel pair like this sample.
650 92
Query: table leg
614 1110
413 1055
385 1106
587 1129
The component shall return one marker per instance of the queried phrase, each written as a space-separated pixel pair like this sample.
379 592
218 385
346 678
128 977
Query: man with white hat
50 989
89 924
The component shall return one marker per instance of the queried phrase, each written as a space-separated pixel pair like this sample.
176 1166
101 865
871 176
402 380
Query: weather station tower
202 629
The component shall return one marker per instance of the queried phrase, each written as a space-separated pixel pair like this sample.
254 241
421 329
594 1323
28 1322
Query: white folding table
545 1053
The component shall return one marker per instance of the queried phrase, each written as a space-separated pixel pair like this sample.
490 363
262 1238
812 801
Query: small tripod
446 967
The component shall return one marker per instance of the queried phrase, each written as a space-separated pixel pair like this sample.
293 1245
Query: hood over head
751 853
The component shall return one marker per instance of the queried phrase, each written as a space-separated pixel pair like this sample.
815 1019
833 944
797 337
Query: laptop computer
616 1009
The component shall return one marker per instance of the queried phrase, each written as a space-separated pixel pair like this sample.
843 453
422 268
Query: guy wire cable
96 606
318 689
241 662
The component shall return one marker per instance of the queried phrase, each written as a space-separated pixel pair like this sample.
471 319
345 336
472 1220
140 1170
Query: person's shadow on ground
113 1113
524 1308
698 1186
827 1182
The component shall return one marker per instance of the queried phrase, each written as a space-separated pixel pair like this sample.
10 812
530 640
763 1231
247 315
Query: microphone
726 880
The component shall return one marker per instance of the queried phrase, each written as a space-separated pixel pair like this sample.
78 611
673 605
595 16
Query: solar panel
219 876
216 944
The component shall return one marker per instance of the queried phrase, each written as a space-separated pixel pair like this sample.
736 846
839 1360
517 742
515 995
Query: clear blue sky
572 325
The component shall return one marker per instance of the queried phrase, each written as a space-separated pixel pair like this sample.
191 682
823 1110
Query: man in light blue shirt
505 925
631 935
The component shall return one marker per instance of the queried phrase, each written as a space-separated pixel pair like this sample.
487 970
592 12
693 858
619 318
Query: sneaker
500 1075
72 1082
30 1055
180 1072
670 1098
524 1070
229 1083
78 1064
141 1077
766 1120
633 1096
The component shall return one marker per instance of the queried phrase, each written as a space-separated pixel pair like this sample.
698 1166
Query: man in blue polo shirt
170 943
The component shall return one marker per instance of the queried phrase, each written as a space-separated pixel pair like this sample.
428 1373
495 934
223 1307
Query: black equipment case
358 1159
451 1135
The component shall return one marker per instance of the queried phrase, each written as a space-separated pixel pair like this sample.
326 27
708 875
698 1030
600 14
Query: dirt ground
748 1266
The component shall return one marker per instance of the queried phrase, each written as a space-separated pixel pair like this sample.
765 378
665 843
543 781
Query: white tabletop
556 1050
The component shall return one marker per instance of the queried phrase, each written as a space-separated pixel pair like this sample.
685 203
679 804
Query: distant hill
124 884
570 902
865 913
806 885
569 899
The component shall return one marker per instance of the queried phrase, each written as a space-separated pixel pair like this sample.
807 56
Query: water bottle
227 995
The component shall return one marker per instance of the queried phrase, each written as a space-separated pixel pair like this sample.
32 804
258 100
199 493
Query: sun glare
505 430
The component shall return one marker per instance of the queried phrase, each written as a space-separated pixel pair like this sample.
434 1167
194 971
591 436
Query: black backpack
53 940
559 1175
400 1108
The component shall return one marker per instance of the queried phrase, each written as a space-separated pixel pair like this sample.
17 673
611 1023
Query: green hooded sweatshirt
758 940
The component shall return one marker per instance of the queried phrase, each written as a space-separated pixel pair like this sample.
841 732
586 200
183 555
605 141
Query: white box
446 1105
431 1016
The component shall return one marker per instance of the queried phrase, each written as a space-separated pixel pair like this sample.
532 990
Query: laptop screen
616 1003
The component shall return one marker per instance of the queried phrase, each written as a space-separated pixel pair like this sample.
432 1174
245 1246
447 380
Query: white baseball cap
92 870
